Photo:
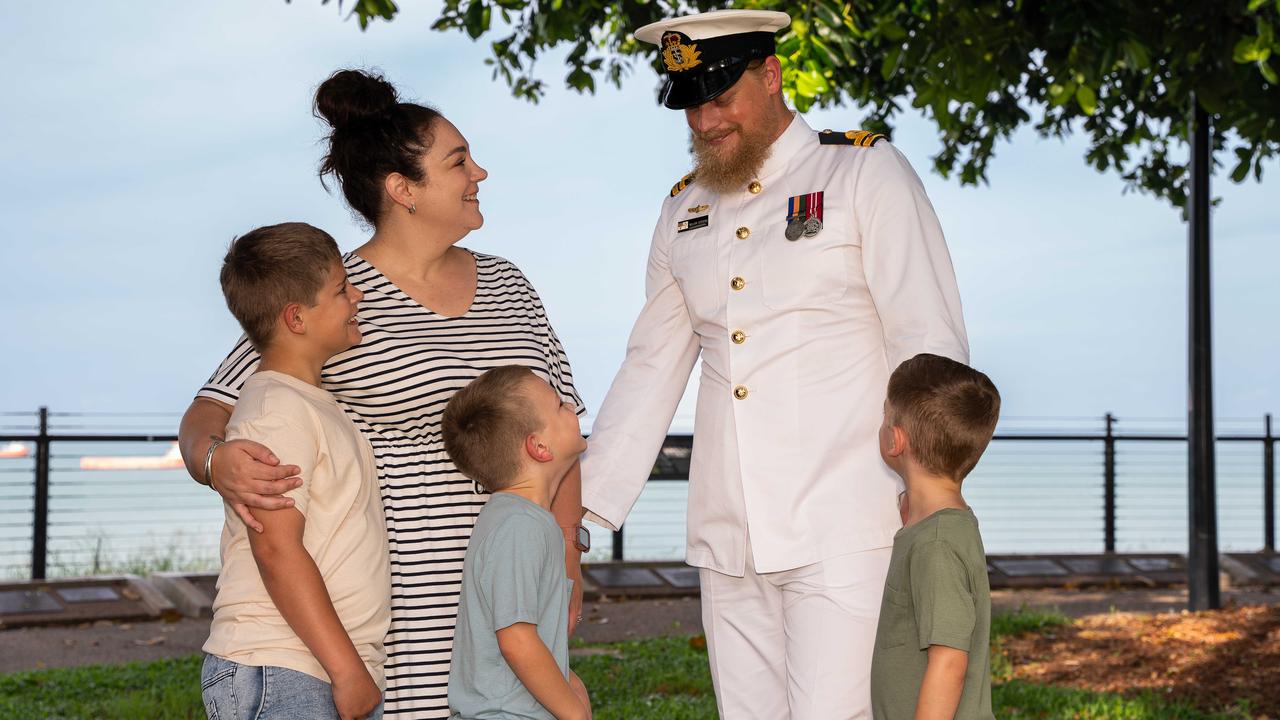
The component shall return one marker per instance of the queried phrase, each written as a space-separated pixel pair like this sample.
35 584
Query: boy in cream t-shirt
302 607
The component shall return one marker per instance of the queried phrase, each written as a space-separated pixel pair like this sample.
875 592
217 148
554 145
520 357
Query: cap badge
676 55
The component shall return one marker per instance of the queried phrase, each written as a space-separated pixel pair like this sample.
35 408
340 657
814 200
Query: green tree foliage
1122 72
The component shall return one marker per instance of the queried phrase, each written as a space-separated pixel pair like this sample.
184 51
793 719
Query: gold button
740 392
755 187
738 337
744 233
737 283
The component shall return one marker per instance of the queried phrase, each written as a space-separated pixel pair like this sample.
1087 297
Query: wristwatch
578 535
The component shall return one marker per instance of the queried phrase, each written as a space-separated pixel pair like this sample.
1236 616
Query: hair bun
351 96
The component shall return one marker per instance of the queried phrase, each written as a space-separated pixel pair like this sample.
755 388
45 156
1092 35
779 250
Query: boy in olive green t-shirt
932 654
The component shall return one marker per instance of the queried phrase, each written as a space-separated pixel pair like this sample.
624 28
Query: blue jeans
244 692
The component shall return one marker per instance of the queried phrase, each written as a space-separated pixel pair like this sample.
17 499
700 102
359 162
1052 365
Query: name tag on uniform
693 223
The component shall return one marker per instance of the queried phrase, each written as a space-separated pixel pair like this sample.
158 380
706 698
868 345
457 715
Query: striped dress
394 386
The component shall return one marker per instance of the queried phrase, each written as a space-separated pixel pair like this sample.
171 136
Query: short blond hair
485 425
269 267
948 410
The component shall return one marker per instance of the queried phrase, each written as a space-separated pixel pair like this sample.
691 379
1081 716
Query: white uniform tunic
797 340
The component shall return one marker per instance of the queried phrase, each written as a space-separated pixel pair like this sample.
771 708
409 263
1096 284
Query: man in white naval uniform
803 267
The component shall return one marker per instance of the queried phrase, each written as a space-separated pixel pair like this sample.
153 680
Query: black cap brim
692 89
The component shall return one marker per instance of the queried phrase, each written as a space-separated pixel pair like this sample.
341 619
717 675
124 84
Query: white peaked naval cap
705 54
718 23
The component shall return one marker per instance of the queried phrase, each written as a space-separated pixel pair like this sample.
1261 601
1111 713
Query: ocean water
1029 496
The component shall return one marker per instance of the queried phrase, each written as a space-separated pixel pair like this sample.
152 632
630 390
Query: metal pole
617 544
1268 487
1109 487
40 523
1202 565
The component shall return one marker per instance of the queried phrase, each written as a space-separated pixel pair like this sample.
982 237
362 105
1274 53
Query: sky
136 144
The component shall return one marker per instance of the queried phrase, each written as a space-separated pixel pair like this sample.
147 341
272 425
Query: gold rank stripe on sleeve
685 182
857 138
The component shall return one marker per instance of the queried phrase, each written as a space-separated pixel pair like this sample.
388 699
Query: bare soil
1211 659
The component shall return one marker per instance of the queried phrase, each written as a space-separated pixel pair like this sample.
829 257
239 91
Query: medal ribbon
813 205
803 207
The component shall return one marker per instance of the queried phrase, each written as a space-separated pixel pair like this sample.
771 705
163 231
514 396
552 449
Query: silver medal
811 226
795 228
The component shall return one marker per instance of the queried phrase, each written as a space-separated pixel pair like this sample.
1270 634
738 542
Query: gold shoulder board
685 182
857 138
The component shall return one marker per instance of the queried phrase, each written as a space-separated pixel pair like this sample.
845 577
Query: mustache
701 137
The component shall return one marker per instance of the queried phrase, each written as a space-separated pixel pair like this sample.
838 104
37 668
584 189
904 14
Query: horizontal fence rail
1088 485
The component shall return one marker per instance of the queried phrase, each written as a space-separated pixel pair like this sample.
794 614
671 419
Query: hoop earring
412 208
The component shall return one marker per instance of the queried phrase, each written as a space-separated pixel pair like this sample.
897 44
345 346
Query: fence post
1109 487
40 523
617 544
1268 486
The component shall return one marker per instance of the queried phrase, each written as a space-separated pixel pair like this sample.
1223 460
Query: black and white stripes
394 385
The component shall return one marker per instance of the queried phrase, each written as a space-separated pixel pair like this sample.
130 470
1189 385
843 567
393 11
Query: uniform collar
790 143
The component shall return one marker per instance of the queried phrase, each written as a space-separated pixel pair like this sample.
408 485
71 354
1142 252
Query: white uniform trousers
795 644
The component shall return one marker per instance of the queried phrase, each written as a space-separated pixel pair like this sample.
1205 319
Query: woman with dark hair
434 316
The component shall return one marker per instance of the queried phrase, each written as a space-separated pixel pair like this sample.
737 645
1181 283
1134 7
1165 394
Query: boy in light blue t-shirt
515 436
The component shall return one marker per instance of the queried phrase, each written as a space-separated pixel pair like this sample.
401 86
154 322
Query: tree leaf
1240 172
979 70
581 80
1248 50
893 31
809 84
1267 72
890 64
1087 99
1266 33
477 19
1060 94
1137 54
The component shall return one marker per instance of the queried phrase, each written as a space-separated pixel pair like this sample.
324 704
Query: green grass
659 678
1023 621
1008 624
1019 700
168 689
656 678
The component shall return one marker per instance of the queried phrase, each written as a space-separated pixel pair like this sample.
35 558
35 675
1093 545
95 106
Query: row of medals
806 226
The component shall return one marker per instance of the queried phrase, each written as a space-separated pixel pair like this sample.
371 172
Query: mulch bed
1210 659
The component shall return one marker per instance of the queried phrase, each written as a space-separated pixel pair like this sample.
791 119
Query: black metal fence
1095 489
1092 489
78 496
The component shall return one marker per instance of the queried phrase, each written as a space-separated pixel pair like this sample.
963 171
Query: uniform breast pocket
695 264
896 619
809 271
